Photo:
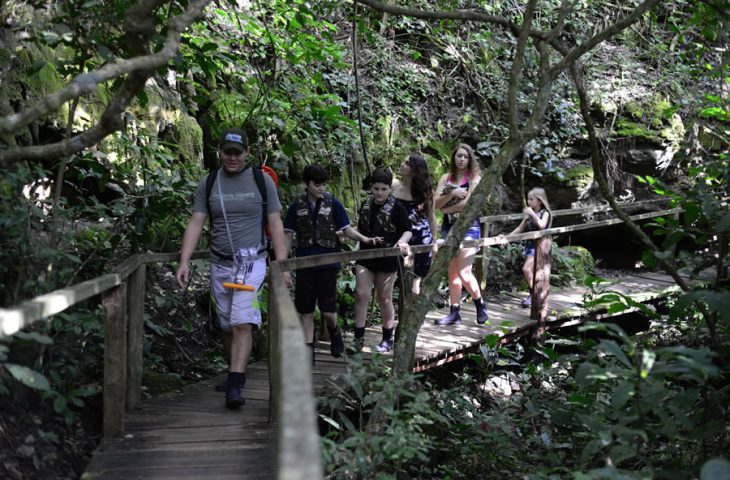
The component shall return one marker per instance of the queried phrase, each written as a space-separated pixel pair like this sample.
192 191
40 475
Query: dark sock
236 378
359 332
387 334
478 302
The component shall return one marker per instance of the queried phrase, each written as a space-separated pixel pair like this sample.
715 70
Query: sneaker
453 318
482 315
384 347
355 346
337 344
527 303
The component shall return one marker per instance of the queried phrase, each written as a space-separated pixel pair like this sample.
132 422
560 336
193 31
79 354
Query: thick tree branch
598 172
570 55
557 30
589 44
516 70
140 26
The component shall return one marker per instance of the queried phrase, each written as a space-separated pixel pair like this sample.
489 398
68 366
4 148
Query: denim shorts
474 232
237 307
529 250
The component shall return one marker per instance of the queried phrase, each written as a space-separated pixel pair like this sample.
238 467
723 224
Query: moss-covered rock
579 176
629 128
571 265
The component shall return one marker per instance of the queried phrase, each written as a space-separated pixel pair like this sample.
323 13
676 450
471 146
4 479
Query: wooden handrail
570 211
43 306
317 260
292 397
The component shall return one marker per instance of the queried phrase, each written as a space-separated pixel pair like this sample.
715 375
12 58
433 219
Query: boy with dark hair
315 218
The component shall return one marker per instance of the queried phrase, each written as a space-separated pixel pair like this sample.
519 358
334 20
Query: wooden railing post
540 286
482 265
115 359
135 335
297 440
274 359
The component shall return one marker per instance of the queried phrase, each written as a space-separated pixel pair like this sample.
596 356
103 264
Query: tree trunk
540 287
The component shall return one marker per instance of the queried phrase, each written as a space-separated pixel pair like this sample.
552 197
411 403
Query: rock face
567 183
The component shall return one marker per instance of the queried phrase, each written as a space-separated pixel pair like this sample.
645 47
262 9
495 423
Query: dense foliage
289 73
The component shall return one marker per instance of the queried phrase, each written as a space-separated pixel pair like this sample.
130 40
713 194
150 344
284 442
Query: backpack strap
258 176
209 188
209 182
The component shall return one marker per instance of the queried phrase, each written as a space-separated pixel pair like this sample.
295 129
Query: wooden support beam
115 360
135 335
481 266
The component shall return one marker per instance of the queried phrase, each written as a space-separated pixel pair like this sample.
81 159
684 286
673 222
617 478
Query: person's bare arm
353 234
279 241
440 199
190 241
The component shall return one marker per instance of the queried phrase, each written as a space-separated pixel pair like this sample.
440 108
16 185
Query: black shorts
316 287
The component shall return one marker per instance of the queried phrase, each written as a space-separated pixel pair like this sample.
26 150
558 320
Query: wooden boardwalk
190 434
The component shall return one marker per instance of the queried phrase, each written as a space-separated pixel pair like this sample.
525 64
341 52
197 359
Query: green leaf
724 224
622 394
34 336
647 258
612 347
60 404
331 422
647 362
28 377
715 469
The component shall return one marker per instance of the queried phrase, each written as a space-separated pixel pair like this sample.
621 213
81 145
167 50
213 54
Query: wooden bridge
275 435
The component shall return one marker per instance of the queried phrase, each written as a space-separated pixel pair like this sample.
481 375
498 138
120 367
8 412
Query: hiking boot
384 347
337 344
234 383
527 303
234 398
222 386
453 318
482 315
355 346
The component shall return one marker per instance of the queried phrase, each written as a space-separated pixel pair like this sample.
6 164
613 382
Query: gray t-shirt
243 205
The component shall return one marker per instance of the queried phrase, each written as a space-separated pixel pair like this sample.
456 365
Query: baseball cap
233 139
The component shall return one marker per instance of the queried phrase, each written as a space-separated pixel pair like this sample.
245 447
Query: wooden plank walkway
190 434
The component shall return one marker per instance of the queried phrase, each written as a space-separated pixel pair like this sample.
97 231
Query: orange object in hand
238 286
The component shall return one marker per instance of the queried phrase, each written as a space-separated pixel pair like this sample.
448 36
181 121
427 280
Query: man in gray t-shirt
235 207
